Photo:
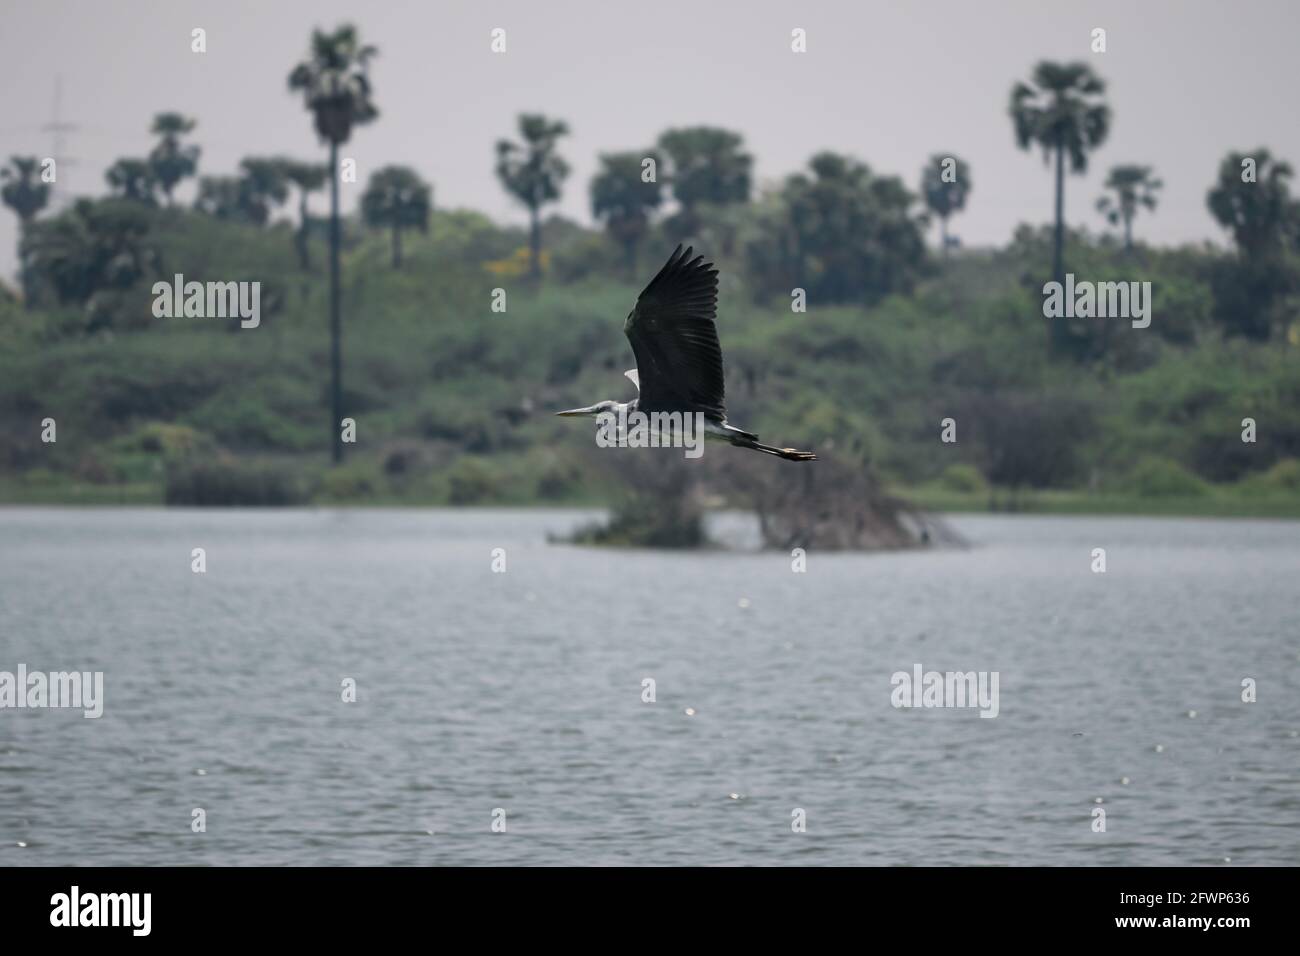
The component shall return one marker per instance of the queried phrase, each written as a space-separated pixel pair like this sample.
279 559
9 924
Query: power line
60 194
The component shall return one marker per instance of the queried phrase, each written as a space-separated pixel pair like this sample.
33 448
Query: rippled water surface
523 691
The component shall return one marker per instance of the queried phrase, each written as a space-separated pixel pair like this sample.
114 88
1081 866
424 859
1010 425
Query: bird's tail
789 454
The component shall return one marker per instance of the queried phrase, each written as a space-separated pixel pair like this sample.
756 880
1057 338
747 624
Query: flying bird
678 358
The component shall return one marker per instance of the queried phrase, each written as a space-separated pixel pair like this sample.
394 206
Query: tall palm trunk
304 256
336 360
1128 235
688 221
1058 336
943 235
24 269
629 257
534 243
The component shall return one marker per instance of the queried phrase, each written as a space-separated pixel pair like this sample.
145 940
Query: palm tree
23 191
248 198
397 198
532 171
708 167
1133 186
624 201
169 160
221 197
1260 212
133 179
307 177
91 248
336 90
1251 198
1062 111
944 194
263 186
841 232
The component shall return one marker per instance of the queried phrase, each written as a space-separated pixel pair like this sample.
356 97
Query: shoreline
1218 504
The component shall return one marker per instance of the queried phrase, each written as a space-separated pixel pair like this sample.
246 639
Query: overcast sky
890 82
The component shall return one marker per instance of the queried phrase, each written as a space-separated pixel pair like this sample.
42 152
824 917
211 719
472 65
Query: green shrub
1282 479
161 438
352 481
143 454
1154 477
963 478
244 421
557 482
471 481
462 422
230 482
403 459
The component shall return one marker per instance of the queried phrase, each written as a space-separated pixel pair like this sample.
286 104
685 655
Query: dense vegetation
452 400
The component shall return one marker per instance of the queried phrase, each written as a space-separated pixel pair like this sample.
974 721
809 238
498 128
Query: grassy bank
452 400
1224 502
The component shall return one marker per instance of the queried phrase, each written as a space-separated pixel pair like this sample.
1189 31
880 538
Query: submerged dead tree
835 506
658 504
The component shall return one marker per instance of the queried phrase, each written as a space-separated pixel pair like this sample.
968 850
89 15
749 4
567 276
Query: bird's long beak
576 412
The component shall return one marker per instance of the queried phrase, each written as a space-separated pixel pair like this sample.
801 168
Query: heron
678 359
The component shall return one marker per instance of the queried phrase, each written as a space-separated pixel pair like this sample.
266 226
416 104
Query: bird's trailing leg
789 454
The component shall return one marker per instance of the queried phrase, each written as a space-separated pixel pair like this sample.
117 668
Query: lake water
522 691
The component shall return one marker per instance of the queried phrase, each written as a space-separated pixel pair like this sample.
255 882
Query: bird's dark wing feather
673 336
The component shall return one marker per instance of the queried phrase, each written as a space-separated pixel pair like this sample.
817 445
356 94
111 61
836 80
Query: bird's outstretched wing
673 336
